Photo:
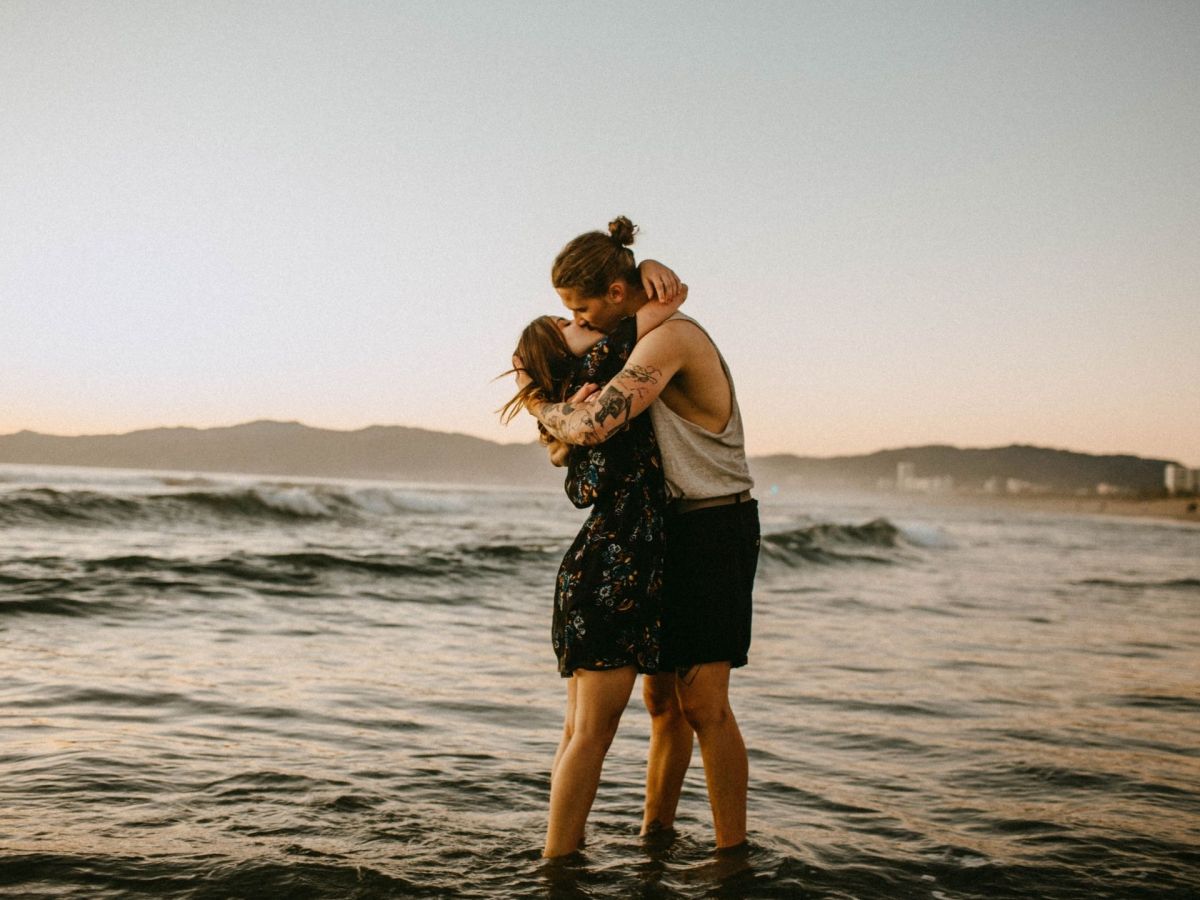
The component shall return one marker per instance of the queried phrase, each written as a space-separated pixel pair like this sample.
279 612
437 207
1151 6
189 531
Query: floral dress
607 600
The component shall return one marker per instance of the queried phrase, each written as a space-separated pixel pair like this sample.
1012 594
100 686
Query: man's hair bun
593 261
622 230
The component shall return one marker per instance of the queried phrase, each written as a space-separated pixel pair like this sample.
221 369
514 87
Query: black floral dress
607 601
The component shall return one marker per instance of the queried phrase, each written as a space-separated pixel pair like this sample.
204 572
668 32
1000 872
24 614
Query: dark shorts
708 577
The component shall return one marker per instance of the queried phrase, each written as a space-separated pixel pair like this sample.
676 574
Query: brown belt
683 505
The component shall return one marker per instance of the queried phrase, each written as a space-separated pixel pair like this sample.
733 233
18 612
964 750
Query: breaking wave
282 502
54 585
827 543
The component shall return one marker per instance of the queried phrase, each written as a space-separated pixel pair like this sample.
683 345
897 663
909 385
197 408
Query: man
677 375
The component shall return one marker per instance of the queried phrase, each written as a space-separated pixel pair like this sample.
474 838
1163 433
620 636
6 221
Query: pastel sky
904 222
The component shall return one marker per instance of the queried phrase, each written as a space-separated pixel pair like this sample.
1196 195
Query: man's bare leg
704 697
670 751
600 698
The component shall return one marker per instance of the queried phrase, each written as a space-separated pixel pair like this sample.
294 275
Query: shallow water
223 686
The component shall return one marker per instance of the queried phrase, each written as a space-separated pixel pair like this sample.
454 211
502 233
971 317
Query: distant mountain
1056 470
416 454
290 448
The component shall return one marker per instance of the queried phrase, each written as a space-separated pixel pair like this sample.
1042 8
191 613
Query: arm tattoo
612 404
603 415
640 374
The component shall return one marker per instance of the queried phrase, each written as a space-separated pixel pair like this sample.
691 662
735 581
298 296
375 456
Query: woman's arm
654 313
660 283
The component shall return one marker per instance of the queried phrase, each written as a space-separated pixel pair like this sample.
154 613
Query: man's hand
659 282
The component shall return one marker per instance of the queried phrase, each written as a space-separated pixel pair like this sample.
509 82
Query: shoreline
1175 509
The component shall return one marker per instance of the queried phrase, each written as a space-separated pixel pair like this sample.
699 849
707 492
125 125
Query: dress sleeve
585 475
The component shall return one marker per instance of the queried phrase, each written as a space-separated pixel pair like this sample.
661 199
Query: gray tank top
699 463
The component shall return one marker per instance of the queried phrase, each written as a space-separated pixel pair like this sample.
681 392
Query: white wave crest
296 501
389 501
926 536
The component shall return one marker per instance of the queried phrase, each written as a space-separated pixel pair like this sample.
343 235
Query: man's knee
706 712
705 699
662 702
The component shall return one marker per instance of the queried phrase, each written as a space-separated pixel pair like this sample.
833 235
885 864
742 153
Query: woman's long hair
547 359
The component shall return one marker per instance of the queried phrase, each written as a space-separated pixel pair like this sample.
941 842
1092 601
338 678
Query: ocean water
227 686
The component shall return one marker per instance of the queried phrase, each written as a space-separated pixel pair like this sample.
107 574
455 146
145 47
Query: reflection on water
229 687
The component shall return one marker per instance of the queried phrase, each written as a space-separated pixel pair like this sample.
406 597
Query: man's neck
633 304
635 299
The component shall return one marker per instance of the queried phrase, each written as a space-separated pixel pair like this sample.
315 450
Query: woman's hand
659 282
558 452
583 393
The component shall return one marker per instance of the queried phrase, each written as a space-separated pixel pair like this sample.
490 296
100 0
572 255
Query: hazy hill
415 454
290 448
1060 470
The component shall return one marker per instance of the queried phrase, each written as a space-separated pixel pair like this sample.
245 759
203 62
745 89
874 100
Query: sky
903 222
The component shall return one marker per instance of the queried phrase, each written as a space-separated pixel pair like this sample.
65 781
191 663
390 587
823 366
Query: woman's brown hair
547 360
593 261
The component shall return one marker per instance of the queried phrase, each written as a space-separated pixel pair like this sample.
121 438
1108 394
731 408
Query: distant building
941 484
1017 486
1000 485
1173 476
907 481
1180 479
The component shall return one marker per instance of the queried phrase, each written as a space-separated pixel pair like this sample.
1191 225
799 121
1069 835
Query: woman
607 611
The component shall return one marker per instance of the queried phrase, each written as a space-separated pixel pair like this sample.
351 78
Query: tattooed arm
654 361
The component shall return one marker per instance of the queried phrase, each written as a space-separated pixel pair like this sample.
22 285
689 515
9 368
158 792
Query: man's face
580 339
599 313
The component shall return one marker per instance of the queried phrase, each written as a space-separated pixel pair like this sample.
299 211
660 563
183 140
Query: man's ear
617 292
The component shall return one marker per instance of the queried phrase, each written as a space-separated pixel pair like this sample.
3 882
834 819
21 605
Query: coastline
1169 508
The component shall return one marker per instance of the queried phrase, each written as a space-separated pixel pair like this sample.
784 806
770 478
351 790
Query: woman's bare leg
568 726
600 698
670 751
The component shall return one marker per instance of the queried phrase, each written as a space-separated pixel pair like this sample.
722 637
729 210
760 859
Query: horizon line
301 424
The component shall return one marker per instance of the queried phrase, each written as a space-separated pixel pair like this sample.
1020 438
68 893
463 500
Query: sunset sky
903 222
